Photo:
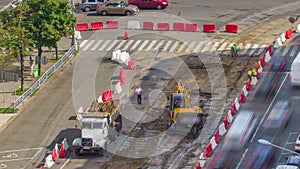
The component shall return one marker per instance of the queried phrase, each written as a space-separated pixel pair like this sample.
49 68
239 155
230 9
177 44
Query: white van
295 71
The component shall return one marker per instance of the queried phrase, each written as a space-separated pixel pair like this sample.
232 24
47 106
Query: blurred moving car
148 4
279 117
90 5
269 79
261 157
297 144
241 130
120 8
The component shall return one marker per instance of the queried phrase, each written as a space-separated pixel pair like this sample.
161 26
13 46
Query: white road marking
214 47
295 48
112 45
243 156
88 45
223 46
16 159
33 157
182 46
190 46
96 45
245 50
136 44
143 45
120 44
128 44
277 51
254 48
26 149
167 45
83 43
65 163
159 45
151 45
198 47
265 114
285 50
105 44
174 46
206 47
262 48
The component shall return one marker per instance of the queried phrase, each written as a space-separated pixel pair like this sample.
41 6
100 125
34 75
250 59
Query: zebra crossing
209 47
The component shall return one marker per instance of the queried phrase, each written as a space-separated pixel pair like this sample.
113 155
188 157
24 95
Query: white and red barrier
56 154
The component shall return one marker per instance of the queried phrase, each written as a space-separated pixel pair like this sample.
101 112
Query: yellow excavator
186 119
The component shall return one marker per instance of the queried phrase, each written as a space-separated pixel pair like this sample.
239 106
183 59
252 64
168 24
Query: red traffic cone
126 36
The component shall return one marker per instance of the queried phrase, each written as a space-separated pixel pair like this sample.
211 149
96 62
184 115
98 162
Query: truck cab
94 135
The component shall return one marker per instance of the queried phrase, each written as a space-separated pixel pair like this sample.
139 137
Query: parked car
120 8
295 72
90 5
148 4
297 144
279 117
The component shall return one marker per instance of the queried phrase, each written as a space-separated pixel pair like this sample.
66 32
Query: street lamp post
268 143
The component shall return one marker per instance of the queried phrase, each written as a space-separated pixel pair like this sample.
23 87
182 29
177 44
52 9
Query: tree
15 35
51 20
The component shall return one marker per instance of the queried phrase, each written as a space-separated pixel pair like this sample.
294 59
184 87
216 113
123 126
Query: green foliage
8 110
51 20
19 92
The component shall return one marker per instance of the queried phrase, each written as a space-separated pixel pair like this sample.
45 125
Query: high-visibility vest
254 73
249 72
236 48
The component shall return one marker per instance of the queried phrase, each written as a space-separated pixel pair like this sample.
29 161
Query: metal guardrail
44 77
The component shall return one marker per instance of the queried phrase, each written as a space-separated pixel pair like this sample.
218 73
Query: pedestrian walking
201 104
138 92
31 65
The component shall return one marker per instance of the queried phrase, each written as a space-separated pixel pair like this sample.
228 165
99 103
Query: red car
144 4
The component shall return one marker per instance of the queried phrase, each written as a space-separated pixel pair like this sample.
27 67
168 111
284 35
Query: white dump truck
98 122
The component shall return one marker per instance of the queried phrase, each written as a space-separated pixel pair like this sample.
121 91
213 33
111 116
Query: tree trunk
22 68
56 52
40 59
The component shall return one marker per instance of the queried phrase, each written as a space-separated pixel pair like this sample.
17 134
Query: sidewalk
8 88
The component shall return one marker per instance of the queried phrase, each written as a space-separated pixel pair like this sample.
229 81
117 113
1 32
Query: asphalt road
287 137
50 116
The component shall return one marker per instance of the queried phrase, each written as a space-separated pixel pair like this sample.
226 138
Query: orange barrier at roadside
209 28
148 25
231 28
191 27
289 33
178 26
208 151
112 25
97 25
82 27
217 136
163 26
